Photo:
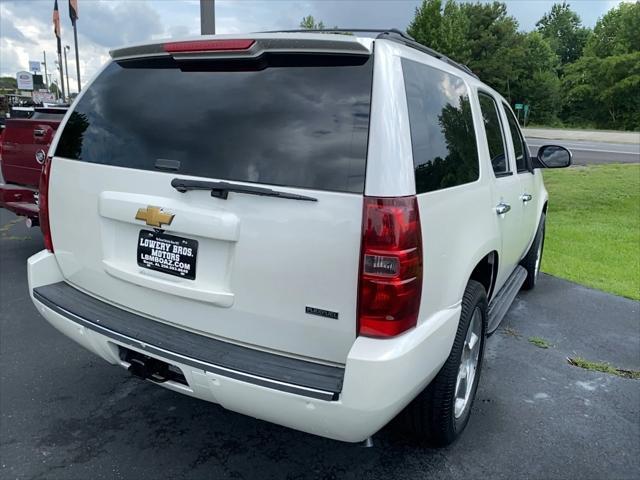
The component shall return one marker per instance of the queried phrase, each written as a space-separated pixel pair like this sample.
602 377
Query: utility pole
66 68
73 14
56 30
46 77
60 71
75 39
207 17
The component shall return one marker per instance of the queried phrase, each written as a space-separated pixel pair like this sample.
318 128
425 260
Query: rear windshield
300 126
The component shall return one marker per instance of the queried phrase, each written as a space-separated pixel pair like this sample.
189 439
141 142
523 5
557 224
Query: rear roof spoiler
250 46
336 41
391 34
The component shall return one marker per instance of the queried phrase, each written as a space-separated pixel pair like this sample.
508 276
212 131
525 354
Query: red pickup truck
23 148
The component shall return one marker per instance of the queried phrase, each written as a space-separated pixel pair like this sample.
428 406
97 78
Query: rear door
507 189
525 172
158 198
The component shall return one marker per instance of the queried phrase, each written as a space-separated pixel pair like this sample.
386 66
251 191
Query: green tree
425 26
8 82
443 28
522 67
494 44
602 87
309 23
538 52
53 88
563 29
542 92
536 81
604 91
562 69
453 30
480 35
617 32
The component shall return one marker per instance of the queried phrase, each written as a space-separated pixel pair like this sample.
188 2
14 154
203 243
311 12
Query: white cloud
26 31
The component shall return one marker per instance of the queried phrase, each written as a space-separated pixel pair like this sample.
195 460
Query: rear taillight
391 267
208 46
43 204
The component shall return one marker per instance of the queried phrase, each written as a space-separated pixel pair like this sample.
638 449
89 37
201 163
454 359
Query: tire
436 416
531 262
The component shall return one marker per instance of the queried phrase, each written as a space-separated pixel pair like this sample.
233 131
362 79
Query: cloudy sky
26 29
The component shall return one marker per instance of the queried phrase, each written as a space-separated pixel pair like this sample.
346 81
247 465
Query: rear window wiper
222 189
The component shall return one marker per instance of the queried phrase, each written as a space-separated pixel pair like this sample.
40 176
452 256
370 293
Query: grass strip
603 367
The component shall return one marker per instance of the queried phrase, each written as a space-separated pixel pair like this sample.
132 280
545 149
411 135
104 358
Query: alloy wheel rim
468 364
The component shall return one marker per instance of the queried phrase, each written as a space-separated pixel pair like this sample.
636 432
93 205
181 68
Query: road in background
606 136
67 414
588 152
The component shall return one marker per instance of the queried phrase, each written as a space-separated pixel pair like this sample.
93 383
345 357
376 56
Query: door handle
502 208
526 197
38 132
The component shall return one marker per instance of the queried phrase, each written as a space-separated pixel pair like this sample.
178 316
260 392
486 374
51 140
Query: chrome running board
501 302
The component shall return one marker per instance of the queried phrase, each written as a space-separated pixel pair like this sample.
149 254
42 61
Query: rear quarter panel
459 225
457 232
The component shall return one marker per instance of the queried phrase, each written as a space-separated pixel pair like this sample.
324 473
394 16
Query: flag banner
56 20
73 10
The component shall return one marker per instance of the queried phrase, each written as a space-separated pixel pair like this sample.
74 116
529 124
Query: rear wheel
531 262
441 412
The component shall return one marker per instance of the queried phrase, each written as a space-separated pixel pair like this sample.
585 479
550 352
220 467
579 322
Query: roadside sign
43 96
34 66
25 81
526 109
518 106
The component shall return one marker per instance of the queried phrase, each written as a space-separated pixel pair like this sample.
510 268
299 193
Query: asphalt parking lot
66 414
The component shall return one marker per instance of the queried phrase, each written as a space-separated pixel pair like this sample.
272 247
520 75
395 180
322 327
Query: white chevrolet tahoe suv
318 230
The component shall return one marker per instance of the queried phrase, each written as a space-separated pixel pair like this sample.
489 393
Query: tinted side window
287 124
518 143
445 152
493 129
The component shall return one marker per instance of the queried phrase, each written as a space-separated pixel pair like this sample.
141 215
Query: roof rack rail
410 42
393 34
346 30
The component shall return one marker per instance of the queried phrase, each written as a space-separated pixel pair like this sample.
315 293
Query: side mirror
552 156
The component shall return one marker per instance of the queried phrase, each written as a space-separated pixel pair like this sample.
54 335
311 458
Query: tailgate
22 139
262 246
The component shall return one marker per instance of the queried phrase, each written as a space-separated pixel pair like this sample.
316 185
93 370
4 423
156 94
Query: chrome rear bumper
242 363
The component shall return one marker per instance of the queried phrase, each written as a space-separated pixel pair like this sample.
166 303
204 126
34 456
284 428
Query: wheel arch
486 271
482 266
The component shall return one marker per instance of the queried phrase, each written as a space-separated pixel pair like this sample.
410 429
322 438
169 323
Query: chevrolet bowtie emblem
154 216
